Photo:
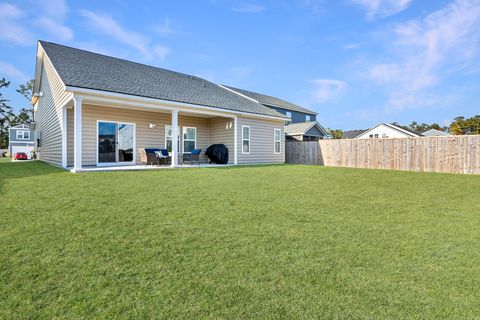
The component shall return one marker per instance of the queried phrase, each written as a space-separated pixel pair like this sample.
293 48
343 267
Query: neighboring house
435 133
306 131
387 130
90 109
352 134
308 128
21 139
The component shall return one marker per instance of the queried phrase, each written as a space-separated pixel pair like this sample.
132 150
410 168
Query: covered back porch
102 135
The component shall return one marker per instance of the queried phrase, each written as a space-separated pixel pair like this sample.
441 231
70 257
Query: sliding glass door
116 142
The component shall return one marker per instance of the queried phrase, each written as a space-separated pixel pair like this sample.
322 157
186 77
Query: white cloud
108 26
10 71
444 43
351 46
327 89
385 73
51 18
56 29
13 29
161 52
55 9
382 8
8 10
165 28
249 8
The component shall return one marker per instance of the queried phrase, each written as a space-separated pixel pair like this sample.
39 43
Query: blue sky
355 62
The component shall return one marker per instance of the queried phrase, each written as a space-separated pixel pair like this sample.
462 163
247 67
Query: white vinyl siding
48 115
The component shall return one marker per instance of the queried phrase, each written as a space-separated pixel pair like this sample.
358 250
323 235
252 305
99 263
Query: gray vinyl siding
261 141
314 132
13 135
296 116
221 131
48 115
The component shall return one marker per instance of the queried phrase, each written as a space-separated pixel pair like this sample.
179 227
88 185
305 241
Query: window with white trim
168 138
277 138
189 139
23 135
245 139
307 118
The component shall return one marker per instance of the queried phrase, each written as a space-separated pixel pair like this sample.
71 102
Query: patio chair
163 155
147 156
192 156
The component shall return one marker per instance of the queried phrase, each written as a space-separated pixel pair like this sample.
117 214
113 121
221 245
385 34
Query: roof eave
118 95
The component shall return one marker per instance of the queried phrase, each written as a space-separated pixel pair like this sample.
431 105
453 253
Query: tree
26 89
26 114
462 125
336 133
6 115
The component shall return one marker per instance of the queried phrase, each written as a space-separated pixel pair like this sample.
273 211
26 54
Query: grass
266 242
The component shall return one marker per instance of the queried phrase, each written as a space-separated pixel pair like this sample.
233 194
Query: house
305 131
352 134
302 124
21 139
96 111
387 130
435 133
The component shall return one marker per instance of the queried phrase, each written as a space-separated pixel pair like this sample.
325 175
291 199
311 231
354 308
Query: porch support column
77 163
235 141
174 138
64 136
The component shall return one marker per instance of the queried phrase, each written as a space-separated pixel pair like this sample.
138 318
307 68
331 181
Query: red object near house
20 156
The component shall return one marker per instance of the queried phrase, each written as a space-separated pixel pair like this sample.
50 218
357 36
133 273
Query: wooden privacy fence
452 154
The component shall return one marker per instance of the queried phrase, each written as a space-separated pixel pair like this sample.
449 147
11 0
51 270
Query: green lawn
263 242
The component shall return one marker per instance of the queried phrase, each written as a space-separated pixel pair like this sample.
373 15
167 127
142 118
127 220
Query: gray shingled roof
352 134
302 128
84 69
271 101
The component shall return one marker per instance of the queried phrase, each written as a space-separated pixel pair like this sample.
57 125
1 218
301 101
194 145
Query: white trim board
166 104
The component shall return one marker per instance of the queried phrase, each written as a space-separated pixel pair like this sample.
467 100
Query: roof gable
304 127
88 70
394 127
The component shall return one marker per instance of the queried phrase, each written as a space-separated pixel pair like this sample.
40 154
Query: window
189 139
307 118
23 135
371 136
289 115
245 139
376 135
168 138
277 138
